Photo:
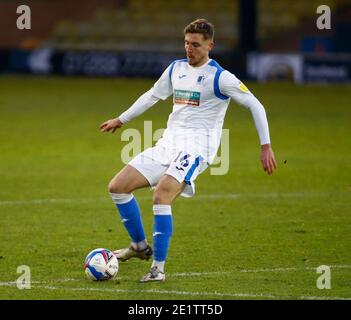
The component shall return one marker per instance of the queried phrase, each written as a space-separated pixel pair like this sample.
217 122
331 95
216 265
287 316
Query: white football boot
153 275
127 253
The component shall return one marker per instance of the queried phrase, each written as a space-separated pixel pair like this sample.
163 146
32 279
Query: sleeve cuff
123 119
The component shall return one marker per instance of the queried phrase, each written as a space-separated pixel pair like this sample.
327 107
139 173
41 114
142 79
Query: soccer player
201 91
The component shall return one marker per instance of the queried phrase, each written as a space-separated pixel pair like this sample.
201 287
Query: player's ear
211 45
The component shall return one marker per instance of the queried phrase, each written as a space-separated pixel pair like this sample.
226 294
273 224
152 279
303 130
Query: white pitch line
262 195
12 284
322 298
7 284
192 274
294 269
212 196
186 293
45 201
45 285
196 274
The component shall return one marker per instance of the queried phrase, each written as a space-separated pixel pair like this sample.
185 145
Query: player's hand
267 159
111 125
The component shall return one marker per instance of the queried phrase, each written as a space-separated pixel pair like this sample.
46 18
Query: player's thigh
167 190
127 180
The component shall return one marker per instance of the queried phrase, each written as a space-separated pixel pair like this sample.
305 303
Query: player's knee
160 198
113 187
118 187
162 195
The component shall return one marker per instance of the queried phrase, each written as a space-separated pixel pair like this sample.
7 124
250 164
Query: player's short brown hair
201 26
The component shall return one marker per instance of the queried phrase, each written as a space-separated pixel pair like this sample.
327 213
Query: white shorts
154 162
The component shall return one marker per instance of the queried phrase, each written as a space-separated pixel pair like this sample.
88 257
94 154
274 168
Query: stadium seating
153 25
277 16
156 25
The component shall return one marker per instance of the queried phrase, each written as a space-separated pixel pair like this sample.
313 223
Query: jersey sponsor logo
191 98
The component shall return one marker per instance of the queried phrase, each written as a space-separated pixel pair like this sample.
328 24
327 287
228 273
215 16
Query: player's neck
201 63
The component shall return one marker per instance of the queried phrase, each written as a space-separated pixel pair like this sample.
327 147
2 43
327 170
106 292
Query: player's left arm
235 89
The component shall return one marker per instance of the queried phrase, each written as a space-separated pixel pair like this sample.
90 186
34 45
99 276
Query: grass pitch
245 235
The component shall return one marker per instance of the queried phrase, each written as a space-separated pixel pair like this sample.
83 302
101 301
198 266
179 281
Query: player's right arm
162 89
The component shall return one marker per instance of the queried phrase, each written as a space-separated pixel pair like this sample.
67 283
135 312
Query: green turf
245 235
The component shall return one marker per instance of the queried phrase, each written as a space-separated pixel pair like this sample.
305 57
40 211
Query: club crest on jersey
200 79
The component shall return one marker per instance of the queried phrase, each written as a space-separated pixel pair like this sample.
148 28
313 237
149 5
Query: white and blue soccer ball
101 264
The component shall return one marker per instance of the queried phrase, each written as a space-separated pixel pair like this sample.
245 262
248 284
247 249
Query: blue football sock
130 214
163 229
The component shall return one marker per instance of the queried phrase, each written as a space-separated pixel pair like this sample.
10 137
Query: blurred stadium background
255 39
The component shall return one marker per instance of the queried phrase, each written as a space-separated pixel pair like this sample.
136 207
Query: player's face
197 48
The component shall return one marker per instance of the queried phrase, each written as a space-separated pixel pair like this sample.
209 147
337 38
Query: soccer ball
101 264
